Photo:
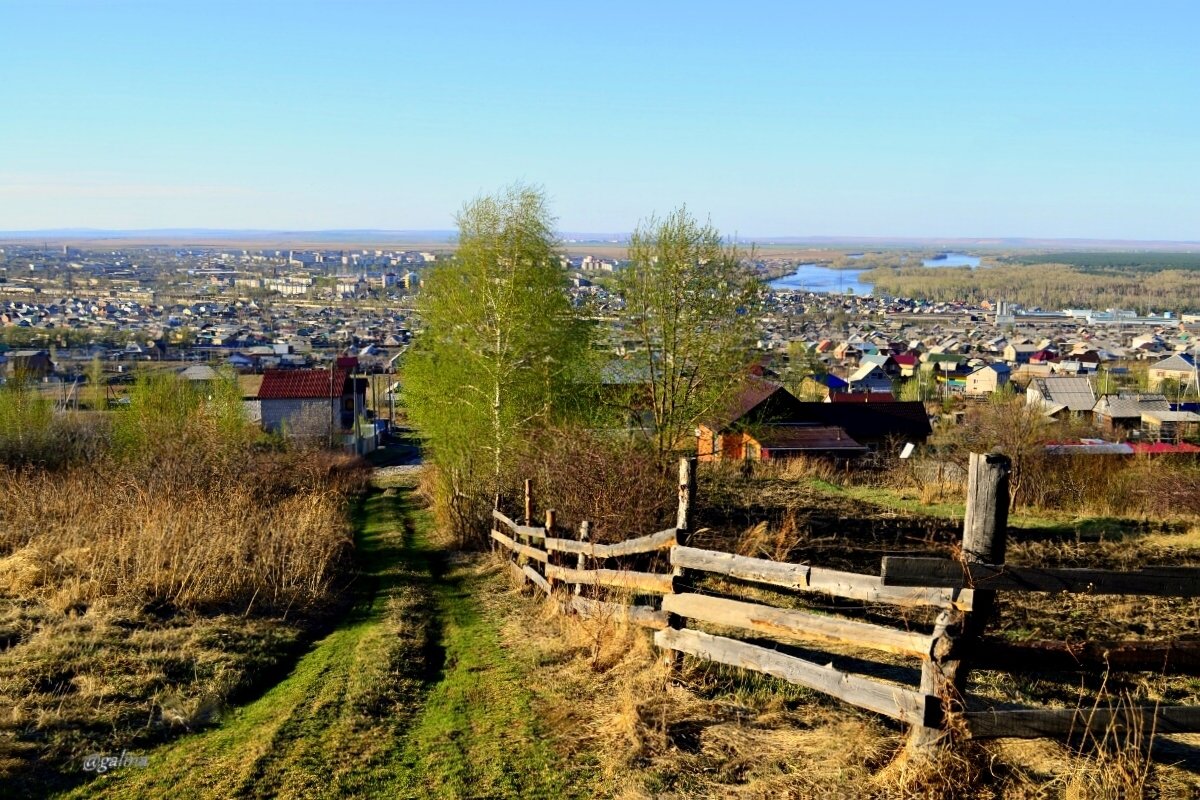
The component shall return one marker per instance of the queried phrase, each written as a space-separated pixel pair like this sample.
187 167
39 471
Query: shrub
614 482
26 423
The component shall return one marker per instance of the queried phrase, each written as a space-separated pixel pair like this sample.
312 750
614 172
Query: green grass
477 735
411 696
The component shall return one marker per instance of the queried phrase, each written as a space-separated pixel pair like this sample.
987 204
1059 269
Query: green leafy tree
501 348
690 304
803 363
170 420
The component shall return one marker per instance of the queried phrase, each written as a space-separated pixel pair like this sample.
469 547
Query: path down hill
412 695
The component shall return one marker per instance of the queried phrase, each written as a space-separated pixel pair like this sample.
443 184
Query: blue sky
1055 119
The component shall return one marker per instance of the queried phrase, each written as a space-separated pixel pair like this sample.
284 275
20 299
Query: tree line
1048 286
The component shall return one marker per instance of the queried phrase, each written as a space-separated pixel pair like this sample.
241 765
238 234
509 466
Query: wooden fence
620 585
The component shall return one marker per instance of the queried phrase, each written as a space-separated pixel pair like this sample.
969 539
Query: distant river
819 278
952 260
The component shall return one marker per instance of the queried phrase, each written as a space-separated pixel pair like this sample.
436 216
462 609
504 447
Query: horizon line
585 237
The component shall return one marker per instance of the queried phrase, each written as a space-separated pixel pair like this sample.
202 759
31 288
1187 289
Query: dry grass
137 603
237 542
708 731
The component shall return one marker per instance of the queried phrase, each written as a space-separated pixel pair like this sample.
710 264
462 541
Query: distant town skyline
916 120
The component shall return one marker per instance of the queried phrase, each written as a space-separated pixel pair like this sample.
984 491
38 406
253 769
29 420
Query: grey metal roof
1130 406
1073 392
1179 361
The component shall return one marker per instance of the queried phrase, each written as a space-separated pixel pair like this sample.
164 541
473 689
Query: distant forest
1058 285
1102 262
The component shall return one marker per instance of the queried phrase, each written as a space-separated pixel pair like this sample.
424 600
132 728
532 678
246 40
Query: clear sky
896 118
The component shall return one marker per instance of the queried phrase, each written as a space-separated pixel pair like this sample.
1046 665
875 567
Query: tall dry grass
235 542
175 500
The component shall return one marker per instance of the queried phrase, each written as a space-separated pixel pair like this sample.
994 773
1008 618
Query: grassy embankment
412 695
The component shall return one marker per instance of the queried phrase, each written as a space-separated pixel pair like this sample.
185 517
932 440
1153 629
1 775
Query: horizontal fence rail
1035 723
849 585
795 624
1149 582
651 582
896 702
642 544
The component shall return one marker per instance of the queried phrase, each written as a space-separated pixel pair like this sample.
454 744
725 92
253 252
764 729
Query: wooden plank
620 579
896 702
585 535
759 570
496 515
517 547
1151 581
801 577
523 530
556 545
795 624
1035 723
672 659
537 579
644 616
944 673
870 589
530 531
1169 657
642 544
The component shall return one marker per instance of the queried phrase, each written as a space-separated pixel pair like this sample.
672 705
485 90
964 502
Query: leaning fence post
683 523
528 501
943 674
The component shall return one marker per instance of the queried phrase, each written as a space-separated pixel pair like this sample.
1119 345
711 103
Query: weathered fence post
985 526
528 508
549 528
585 535
683 524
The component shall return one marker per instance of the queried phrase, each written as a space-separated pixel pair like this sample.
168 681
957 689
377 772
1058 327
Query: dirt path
411 696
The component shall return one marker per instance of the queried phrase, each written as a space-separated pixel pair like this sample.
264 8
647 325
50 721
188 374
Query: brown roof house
29 364
759 422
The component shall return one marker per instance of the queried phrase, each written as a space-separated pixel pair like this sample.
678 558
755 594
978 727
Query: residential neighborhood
294 318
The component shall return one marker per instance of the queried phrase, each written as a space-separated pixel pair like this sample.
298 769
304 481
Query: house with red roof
312 402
